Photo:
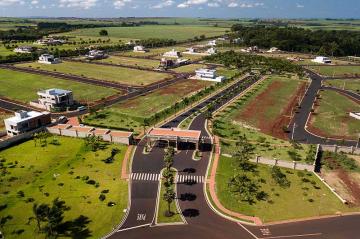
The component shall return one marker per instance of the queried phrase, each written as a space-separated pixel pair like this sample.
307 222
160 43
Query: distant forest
322 42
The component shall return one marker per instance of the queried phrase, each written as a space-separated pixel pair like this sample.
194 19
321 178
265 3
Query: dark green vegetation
82 174
333 43
334 161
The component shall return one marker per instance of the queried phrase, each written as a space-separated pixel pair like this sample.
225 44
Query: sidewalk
212 189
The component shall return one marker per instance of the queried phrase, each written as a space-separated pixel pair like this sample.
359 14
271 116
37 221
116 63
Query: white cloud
34 2
213 4
166 3
10 2
233 4
245 5
298 5
118 4
84 4
190 3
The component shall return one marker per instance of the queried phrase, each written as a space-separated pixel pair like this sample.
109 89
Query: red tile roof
175 132
61 126
120 134
81 129
98 131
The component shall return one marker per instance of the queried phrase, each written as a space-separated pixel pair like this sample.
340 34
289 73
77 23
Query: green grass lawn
130 113
107 73
131 61
332 116
163 207
306 196
45 173
189 68
337 70
145 32
347 84
23 87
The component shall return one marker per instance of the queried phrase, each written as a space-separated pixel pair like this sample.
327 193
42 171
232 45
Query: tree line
322 42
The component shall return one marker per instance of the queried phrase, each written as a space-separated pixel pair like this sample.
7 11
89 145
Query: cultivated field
347 84
130 114
23 87
106 73
66 170
331 118
307 192
336 70
178 33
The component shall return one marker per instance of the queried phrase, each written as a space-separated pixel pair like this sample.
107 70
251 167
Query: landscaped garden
23 87
107 73
77 178
331 118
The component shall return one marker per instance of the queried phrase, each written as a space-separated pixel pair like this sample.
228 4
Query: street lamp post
293 131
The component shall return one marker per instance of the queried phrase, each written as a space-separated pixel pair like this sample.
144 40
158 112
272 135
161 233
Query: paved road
343 92
300 119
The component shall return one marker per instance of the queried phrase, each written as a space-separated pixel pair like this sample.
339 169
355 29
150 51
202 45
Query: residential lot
331 118
335 71
131 113
23 87
178 33
306 195
131 61
347 84
68 170
107 73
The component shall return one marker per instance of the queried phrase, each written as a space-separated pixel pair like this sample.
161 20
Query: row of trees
322 42
168 176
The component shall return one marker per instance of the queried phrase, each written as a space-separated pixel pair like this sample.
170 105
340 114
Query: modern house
48 59
250 49
211 51
273 49
355 115
54 98
172 54
96 55
200 50
322 60
208 75
24 121
212 43
24 49
140 49
50 42
169 63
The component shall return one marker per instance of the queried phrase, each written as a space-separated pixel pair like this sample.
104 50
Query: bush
102 197
279 177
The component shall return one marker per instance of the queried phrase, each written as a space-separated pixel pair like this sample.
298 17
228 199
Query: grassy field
347 84
306 196
332 116
337 70
23 87
107 73
141 107
131 61
65 171
178 33
189 68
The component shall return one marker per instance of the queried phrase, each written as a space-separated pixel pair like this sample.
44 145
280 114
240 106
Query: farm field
23 87
307 192
178 33
130 113
107 73
131 61
336 70
332 116
64 169
347 84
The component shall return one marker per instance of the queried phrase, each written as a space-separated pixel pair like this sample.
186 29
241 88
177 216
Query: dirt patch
254 110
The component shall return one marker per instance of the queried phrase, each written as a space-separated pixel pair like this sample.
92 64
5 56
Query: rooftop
175 132
22 116
55 91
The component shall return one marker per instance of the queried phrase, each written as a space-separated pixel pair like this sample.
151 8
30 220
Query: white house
172 53
54 98
208 75
211 51
250 49
24 121
48 59
322 60
273 49
50 41
211 43
355 115
96 54
24 49
140 49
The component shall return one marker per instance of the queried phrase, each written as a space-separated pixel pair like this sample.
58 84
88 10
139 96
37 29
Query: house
50 42
211 43
250 49
48 59
24 49
96 55
169 63
200 50
172 53
322 60
355 115
24 121
211 51
273 49
54 98
140 49
208 75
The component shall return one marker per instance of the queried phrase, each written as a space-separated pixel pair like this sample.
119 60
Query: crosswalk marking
189 178
145 176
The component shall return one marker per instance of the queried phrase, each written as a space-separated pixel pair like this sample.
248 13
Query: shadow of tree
187 197
190 212
76 228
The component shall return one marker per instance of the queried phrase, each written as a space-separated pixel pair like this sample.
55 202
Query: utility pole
293 131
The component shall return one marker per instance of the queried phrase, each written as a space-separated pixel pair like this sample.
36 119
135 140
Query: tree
244 152
168 177
40 213
244 187
169 197
103 32
169 157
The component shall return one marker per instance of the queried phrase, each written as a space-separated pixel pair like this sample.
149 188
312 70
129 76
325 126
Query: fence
18 138
284 164
341 149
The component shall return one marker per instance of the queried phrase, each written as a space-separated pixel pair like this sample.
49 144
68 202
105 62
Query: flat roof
81 128
26 116
101 131
55 91
175 132
120 134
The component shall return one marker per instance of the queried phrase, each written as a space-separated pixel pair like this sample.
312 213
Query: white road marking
145 177
293 236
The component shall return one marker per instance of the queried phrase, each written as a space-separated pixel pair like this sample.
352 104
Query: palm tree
40 212
169 197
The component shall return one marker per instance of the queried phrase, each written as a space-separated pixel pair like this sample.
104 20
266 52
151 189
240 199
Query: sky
182 8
